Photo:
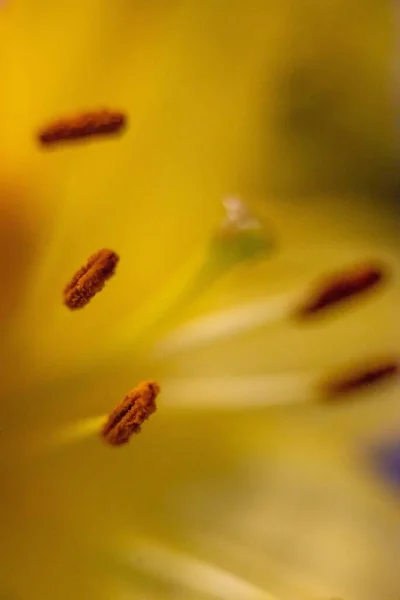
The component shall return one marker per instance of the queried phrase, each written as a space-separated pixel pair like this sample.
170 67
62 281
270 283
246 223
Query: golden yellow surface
290 106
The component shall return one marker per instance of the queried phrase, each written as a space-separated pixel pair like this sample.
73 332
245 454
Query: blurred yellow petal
243 484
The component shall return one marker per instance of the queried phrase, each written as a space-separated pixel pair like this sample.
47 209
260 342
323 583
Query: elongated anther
341 287
81 126
339 386
127 418
90 279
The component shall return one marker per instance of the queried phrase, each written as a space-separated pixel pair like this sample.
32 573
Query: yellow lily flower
243 484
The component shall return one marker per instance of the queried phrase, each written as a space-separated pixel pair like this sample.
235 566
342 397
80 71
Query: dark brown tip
342 287
339 386
86 125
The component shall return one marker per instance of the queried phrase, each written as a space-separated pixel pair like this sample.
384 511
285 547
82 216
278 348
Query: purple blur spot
386 461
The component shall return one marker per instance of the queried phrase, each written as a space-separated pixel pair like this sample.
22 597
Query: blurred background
292 106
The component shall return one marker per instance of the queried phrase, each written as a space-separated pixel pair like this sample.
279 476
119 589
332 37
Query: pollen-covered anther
90 279
343 384
340 287
85 125
128 416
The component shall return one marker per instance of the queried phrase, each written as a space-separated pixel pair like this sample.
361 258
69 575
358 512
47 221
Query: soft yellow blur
285 103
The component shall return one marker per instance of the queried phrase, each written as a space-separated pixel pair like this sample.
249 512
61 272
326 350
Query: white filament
194 574
226 323
238 392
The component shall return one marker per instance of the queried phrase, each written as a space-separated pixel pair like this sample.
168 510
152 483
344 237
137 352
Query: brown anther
337 387
341 287
90 279
103 122
129 415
